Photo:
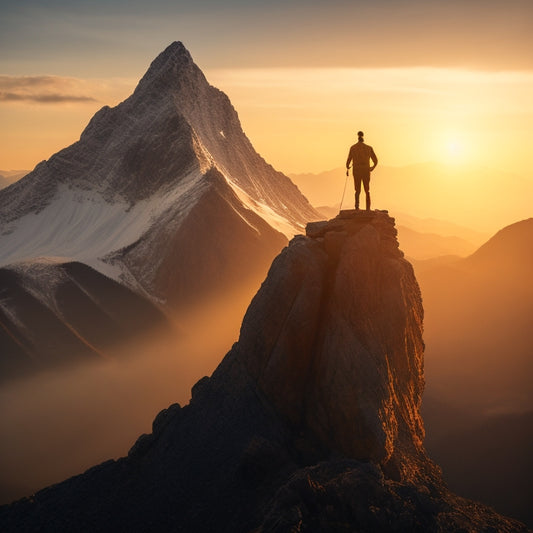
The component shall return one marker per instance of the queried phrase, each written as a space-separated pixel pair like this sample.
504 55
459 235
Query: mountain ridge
61 312
186 148
507 243
478 364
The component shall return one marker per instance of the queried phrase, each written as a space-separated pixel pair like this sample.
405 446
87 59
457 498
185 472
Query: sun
454 148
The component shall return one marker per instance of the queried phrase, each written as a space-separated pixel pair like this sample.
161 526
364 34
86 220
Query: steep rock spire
173 71
334 340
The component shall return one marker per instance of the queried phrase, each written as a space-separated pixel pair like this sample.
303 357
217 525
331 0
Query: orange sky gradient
303 120
449 82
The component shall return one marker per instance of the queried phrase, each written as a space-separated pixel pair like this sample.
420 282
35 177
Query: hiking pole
344 191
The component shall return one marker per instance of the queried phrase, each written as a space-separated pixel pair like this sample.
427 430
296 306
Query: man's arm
374 159
349 160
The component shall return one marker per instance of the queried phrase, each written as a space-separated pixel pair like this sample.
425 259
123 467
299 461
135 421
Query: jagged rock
310 423
165 417
323 354
346 496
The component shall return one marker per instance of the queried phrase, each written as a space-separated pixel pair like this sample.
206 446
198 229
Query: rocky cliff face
341 354
310 423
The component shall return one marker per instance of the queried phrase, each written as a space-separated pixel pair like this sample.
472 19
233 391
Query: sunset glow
303 120
418 96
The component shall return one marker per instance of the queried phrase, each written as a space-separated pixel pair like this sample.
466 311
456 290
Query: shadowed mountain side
237 245
479 318
480 455
310 423
478 365
72 311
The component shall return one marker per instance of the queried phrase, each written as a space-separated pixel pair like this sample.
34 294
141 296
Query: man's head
360 135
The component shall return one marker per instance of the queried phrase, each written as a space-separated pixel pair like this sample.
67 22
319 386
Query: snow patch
81 225
261 208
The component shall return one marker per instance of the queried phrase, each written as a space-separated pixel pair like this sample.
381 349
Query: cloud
44 98
44 90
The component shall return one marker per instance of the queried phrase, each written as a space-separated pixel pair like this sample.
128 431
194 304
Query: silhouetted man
360 155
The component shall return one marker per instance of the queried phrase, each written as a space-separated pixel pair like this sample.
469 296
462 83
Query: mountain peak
176 47
169 70
174 54
167 170
507 251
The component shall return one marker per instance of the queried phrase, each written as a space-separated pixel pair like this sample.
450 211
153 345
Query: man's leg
366 183
357 185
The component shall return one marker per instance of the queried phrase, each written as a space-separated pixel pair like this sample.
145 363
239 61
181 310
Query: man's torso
360 154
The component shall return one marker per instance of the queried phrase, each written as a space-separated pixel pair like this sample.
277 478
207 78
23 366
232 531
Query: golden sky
305 119
427 80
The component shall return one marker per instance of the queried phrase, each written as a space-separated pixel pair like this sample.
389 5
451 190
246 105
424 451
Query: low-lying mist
478 341
60 423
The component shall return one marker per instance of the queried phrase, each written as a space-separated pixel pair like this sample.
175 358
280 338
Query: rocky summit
341 354
310 423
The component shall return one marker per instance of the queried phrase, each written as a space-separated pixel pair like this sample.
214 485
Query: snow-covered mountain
163 193
141 167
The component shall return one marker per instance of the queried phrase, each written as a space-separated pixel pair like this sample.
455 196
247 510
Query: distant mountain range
479 313
472 196
478 402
